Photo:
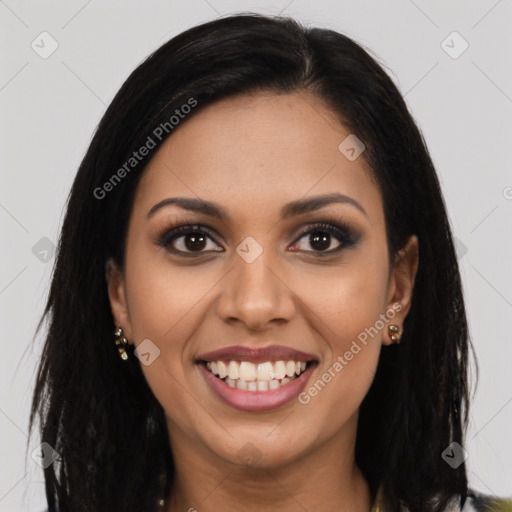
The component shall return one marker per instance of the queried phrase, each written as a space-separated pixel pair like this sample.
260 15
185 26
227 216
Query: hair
99 413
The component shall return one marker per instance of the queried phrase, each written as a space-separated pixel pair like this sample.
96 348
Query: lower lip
254 401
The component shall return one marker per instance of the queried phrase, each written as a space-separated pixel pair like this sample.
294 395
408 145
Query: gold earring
121 343
394 333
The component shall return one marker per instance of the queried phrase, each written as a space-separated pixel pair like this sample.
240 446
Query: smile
254 387
256 377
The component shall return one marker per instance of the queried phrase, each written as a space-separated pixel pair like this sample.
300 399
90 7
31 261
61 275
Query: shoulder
475 502
478 502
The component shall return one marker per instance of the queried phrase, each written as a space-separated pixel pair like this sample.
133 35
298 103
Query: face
275 270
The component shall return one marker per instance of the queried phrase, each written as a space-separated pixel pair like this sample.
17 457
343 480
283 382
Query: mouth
252 387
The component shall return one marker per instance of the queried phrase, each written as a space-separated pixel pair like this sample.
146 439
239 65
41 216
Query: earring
394 333
121 343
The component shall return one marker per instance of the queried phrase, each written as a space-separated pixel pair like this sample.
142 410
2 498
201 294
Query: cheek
345 299
346 307
167 304
162 297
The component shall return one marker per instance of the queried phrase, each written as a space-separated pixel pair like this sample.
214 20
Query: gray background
50 108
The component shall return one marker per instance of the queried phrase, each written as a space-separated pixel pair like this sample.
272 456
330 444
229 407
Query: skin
252 154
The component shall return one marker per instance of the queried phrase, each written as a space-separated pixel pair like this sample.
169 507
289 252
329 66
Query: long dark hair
99 413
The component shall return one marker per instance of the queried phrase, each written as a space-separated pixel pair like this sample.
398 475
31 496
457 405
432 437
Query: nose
255 295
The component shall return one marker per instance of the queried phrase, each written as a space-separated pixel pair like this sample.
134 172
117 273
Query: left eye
320 241
321 236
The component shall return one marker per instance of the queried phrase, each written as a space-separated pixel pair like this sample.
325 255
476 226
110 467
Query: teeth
290 368
262 385
280 369
247 370
248 376
241 384
221 367
233 370
265 371
273 384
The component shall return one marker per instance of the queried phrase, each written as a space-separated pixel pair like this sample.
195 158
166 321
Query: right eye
192 240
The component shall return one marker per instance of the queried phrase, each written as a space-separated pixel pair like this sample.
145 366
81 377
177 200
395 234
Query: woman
256 303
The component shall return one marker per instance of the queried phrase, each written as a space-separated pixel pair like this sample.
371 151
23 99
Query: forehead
256 152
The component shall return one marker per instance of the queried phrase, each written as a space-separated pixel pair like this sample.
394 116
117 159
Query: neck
325 479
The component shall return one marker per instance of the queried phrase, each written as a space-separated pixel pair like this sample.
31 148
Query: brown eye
322 235
188 240
318 240
194 241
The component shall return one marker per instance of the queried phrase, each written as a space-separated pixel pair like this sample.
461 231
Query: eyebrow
288 210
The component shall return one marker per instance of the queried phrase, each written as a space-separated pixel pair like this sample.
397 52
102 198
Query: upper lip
256 354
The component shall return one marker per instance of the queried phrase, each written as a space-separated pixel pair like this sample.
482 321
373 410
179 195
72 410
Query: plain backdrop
457 86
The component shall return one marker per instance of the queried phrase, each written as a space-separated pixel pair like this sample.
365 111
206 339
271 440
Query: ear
117 297
401 284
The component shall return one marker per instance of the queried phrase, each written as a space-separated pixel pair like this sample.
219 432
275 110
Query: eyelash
341 231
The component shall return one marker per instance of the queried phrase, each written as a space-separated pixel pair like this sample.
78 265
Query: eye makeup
336 228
